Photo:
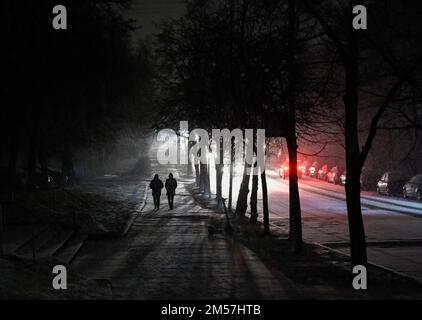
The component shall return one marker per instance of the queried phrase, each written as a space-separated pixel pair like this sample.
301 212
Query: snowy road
394 239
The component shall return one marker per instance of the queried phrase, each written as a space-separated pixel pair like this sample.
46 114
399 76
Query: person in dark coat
156 185
171 185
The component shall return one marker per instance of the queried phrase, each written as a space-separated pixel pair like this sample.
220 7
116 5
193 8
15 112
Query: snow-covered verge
112 201
321 273
97 207
52 207
33 280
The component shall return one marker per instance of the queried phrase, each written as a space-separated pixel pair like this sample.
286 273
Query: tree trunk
232 160
203 177
197 175
208 185
266 215
254 193
254 199
295 215
190 164
354 213
219 179
354 168
242 199
197 166
219 169
294 208
353 156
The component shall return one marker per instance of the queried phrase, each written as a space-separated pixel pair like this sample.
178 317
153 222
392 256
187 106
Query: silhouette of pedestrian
171 185
156 185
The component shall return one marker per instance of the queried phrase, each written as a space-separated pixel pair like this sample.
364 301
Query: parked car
285 168
343 178
334 175
391 183
369 179
304 167
313 170
413 188
322 173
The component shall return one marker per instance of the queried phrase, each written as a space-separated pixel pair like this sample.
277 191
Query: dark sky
145 12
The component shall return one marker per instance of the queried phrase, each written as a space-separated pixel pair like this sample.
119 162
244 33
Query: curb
403 275
137 212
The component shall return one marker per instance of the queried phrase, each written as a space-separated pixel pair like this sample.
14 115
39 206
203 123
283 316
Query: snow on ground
367 198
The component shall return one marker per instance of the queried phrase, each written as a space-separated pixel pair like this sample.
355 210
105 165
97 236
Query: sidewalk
172 255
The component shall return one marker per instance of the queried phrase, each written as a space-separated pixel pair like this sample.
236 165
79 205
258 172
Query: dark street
211 150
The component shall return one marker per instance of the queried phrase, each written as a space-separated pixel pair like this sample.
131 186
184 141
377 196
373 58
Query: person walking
171 185
156 185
